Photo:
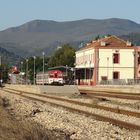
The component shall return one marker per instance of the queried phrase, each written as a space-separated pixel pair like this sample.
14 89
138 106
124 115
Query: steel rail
111 109
112 92
95 116
114 95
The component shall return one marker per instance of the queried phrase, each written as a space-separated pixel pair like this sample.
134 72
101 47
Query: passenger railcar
50 78
40 80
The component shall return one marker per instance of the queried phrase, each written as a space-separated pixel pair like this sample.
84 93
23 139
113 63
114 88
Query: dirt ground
9 129
13 129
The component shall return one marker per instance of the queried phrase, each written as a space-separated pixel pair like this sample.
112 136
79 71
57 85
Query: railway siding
114 108
76 125
98 112
135 89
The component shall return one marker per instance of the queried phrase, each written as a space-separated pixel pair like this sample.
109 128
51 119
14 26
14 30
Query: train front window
59 75
51 75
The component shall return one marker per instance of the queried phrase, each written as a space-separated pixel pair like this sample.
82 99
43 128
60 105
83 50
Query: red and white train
50 78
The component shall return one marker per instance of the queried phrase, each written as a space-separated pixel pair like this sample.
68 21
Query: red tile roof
110 42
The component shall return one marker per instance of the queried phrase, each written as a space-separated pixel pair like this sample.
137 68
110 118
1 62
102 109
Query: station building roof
108 42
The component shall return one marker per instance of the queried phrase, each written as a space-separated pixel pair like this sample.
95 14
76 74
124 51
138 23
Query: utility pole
0 60
26 71
43 66
34 69
0 73
21 71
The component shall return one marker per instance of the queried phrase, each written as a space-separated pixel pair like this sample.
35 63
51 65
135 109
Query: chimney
128 43
103 43
93 41
88 44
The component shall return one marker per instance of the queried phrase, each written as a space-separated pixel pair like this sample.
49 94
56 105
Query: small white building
109 58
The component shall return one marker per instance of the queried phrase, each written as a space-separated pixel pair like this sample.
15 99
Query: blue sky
17 12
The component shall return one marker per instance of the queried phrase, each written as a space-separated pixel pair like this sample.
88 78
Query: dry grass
12 129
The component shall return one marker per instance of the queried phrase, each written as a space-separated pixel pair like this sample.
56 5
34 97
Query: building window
116 58
115 75
104 78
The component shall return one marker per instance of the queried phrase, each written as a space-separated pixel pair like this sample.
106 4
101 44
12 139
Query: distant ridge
36 36
54 26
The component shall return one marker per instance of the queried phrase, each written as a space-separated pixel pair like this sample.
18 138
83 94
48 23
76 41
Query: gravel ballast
58 119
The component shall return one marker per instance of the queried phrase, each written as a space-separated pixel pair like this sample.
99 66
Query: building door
115 75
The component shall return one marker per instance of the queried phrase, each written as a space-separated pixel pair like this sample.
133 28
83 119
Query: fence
120 82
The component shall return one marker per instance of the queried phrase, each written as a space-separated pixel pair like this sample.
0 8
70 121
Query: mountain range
36 36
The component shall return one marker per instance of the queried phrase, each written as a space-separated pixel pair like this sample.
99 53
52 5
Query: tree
97 37
4 72
63 56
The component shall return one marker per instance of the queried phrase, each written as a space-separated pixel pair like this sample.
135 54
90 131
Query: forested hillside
8 57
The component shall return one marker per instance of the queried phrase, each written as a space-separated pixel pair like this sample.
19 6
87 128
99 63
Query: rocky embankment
57 123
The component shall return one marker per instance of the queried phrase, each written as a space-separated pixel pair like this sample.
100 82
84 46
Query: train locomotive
52 77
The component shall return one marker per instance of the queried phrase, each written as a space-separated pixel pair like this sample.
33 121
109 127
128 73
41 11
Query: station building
106 59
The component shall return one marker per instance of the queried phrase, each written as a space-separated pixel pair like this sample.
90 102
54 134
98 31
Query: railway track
115 110
110 94
36 97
